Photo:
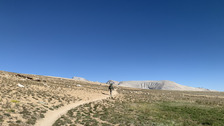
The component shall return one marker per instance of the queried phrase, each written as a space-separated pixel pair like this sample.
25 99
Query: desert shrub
11 110
42 115
7 114
70 113
31 120
1 118
18 121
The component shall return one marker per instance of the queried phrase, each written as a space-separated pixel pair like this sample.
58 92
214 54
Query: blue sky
177 40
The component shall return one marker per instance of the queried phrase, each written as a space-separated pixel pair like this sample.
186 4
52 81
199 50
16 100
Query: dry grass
150 107
24 106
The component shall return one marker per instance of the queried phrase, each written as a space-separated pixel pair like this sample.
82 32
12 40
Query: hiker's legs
110 92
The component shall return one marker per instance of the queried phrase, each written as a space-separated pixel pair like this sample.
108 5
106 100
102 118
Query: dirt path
52 116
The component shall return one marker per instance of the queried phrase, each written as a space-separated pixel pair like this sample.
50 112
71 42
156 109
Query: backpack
111 87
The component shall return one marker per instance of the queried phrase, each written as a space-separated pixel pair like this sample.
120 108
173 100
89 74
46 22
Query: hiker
111 88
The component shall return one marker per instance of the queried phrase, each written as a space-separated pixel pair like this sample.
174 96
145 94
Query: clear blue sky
177 40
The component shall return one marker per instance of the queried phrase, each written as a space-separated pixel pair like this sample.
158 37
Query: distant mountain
79 78
112 82
159 85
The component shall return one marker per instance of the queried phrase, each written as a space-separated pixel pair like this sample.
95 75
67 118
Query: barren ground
23 106
65 102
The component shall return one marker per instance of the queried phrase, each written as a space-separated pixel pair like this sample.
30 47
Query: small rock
46 85
41 102
20 85
78 85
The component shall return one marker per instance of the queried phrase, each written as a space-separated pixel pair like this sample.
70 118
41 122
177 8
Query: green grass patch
192 114
15 101
162 113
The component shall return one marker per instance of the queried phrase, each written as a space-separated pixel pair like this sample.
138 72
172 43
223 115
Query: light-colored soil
52 116
24 106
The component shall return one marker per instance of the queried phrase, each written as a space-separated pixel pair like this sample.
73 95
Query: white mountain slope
159 85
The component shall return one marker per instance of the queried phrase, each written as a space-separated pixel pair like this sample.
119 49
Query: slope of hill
79 78
141 107
26 98
159 85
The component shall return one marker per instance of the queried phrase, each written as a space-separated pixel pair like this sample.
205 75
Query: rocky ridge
157 85
112 82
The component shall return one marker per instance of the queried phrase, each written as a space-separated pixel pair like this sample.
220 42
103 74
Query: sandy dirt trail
52 116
